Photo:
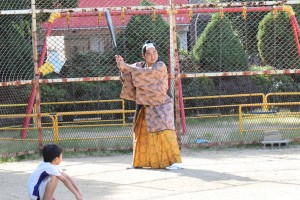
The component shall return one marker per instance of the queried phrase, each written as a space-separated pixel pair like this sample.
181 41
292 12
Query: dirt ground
235 173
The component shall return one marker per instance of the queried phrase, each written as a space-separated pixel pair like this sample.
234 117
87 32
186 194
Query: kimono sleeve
128 91
151 84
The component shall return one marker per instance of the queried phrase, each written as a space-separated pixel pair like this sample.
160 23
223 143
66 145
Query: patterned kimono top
148 86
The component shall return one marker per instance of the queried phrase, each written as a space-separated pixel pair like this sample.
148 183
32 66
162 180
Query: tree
276 42
247 29
218 48
15 47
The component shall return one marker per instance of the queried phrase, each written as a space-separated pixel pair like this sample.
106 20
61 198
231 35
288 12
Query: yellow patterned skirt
155 150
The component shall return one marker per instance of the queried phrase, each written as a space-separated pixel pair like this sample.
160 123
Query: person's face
151 56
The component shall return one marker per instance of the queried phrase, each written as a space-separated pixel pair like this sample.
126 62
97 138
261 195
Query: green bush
277 83
247 29
218 48
90 64
276 42
187 62
273 83
16 50
196 87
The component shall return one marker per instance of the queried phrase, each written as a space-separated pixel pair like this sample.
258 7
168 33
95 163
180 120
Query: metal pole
195 24
35 58
172 69
172 58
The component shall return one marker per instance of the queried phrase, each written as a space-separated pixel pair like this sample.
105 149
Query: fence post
35 60
173 68
265 101
123 112
55 128
240 120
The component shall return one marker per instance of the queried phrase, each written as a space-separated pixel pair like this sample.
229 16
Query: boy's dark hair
51 151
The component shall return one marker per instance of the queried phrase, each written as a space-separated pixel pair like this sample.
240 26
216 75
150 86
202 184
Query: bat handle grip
117 52
121 74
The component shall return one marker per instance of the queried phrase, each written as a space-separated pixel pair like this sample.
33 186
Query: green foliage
187 62
235 85
296 9
53 93
208 136
229 55
273 83
276 42
247 29
91 63
139 29
195 87
198 87
14 5
95 91
82 91
277 83
146 3
15 47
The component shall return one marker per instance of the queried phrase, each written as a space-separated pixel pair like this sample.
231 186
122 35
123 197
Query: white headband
148 46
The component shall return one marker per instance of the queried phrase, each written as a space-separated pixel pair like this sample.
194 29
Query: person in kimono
146 83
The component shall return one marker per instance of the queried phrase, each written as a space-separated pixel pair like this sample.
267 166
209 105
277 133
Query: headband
148 46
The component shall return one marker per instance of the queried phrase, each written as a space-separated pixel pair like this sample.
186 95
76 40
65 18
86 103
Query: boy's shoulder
45 164
49 168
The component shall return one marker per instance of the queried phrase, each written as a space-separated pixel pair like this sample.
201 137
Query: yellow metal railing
55 124
266 114
88 118
280 94
18 128
210 115
83 123
85 120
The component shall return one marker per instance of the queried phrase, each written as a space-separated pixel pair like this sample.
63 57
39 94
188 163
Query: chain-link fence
228 63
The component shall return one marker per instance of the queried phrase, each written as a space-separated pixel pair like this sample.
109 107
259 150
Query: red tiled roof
114 3
92 21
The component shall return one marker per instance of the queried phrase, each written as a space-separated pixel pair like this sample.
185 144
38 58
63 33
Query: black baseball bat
111 29
112 33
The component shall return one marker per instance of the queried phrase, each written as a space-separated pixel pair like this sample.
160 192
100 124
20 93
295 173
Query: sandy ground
235 173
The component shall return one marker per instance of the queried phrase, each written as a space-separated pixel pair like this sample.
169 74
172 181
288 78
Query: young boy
44 179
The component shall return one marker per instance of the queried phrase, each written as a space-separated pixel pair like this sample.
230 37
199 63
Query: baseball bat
111 29
112 34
